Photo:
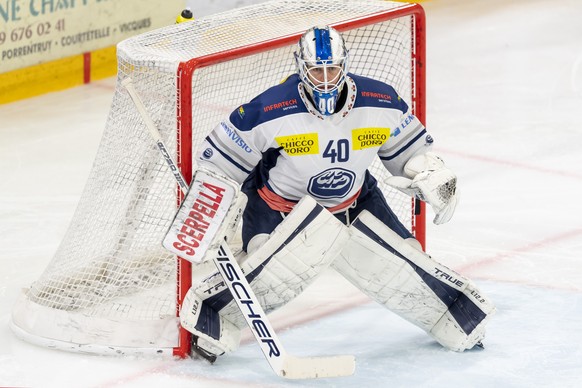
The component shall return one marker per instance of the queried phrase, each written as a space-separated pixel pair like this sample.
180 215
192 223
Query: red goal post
111 287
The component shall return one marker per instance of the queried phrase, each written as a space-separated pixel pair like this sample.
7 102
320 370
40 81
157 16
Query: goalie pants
259 218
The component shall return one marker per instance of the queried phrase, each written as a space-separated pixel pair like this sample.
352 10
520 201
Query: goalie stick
282 363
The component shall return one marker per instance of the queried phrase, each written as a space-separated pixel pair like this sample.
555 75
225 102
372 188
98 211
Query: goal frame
184 150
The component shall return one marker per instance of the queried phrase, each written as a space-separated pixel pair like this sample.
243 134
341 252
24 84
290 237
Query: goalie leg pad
410 283
296 252
214 334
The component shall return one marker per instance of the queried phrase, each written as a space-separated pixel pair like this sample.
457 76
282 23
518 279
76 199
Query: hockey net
111 287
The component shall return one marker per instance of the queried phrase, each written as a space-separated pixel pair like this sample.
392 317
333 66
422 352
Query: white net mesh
110 266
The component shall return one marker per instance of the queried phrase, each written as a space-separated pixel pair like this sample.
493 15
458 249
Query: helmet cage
322 76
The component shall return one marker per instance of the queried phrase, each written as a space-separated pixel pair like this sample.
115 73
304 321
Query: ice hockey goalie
300 152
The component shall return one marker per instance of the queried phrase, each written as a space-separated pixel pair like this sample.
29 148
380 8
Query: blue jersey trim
401 150
227 157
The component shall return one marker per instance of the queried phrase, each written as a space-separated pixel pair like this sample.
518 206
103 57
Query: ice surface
504 105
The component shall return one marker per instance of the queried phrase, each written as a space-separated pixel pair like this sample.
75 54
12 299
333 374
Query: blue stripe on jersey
322 45
226 156
376 94
465 312
402 149
277 101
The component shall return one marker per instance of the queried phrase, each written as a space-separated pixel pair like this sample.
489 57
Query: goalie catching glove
429 180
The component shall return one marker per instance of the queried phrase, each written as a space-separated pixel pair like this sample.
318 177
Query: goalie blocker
208 216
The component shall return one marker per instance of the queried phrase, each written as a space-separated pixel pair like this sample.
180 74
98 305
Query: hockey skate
198 352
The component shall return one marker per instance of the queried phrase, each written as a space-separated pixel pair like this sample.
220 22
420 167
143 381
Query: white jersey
299 152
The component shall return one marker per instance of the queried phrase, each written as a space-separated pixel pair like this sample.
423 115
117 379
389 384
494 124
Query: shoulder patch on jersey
297 145
241 112
363 138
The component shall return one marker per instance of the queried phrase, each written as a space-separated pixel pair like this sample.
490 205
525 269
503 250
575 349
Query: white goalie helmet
322 61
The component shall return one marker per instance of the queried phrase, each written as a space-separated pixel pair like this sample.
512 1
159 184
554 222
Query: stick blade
317 367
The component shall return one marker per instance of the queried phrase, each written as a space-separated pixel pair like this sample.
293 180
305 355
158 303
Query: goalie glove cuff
429 180
428 161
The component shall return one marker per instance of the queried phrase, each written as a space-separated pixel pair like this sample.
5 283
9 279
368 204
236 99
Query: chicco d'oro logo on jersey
363 138
331 183
296 145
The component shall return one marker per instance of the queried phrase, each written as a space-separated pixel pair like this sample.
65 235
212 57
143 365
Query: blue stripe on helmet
322 44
